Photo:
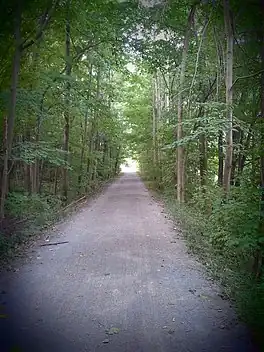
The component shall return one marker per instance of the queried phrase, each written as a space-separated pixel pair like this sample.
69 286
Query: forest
177 85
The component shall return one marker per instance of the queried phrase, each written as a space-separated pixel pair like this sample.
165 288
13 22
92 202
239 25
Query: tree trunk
110 149
203 160
180 148
236 136
243 155
258 255
95 147
90 152
41 170
67 104
117 161
5 171
84 139
35 166
220 159
96 160
56 181
14 79
28 166
154 123
10 123
229 96
105 161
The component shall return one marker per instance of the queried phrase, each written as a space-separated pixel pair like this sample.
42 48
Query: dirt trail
119 285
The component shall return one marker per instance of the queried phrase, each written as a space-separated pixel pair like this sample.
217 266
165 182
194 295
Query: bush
35 209
22 205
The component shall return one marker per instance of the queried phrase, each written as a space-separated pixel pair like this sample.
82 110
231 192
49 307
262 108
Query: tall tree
180 149
229 94
68 66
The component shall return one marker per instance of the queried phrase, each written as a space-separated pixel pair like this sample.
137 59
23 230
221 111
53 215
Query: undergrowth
28 215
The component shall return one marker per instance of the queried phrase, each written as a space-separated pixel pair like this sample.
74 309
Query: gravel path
123 283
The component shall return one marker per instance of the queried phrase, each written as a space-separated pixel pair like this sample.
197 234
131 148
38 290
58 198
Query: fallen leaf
204 297
223 296
112 331
192 290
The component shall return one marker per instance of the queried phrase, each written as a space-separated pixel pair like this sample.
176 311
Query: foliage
23 205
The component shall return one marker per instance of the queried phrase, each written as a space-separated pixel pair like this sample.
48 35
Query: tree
180 148
68 66
229 95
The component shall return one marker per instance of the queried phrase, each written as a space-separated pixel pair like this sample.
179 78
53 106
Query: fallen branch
53 244
74 202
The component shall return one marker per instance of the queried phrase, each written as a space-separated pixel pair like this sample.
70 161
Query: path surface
119 271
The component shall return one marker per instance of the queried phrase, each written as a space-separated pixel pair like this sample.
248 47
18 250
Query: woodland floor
123 282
